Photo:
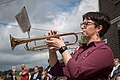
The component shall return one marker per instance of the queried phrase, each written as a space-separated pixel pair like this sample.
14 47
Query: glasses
86 24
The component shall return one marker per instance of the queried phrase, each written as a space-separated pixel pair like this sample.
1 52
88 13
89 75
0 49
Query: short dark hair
117 59
100 19
36 67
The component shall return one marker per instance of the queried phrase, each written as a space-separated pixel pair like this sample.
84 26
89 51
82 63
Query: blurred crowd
37 74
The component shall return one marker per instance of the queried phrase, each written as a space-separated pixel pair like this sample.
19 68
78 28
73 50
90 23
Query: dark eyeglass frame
86 24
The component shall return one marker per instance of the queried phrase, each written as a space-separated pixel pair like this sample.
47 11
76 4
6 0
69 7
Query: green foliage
82 40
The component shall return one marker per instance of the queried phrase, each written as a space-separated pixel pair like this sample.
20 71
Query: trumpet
17 41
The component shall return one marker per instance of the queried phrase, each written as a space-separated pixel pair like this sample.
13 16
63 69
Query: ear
99 28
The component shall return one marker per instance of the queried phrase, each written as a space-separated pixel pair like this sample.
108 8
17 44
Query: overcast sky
44 15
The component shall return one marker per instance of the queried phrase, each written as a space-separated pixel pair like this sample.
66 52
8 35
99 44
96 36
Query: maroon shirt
92 62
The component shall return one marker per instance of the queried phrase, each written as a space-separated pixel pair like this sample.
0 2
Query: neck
23 68
36 72
93 39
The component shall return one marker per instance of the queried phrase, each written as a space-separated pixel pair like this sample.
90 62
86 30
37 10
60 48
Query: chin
85 36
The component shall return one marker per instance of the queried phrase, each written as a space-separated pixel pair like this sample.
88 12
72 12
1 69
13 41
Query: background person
24 73
117 77
9 76
91 61
44 75
1 77
36 75
116 68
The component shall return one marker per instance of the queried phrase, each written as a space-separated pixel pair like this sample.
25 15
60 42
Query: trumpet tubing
17 41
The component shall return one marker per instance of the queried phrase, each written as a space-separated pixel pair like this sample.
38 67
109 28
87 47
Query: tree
82 40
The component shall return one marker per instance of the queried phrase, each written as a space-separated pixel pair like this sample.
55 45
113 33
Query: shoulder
102 45
26 69
106 50
106 47
102 51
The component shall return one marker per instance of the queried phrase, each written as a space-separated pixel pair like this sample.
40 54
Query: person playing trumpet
91 61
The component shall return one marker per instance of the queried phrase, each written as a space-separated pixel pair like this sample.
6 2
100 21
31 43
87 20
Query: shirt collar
117 66
95 44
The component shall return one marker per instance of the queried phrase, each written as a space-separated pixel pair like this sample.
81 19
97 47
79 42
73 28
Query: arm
96 63
66 56
22 73
56 43
52 57
56 69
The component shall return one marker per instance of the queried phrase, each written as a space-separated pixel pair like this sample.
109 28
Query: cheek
91 31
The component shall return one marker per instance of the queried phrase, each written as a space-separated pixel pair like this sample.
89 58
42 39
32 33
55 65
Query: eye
85 23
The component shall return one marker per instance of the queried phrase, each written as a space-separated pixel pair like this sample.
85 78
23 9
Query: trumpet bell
13 42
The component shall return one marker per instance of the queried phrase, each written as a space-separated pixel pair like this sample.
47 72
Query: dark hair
36 67
100 19
117 59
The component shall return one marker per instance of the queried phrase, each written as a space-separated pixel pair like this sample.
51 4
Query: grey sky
62 15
